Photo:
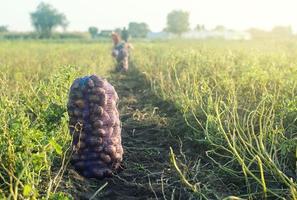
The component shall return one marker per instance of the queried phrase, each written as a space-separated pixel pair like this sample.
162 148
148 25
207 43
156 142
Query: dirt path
146 137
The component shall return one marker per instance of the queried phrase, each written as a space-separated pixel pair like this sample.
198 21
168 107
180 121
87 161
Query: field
201 120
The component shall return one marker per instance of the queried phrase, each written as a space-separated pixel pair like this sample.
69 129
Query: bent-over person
120 52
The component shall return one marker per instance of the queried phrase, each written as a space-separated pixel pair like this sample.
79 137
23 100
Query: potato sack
95 127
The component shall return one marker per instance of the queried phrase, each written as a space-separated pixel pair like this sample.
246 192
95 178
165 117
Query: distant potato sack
95 127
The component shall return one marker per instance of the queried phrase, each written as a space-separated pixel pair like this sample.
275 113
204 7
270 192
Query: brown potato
116 131
98 149
98 124
116 165
107 173
113 104
103 101
80 103
94 118
94 98
91 83
97 110
105 158
120 149
113 140
83 157
92 156
97 81
96 163
110 149
76 95
77 113
94 141
118 157
98 91
98 172
99 132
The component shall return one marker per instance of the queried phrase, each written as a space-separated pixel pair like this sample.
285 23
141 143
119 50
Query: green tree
93 31
177 22
138 30
125 34
118 30
3 29
200 27
46 18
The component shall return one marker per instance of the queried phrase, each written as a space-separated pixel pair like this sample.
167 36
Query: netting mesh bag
95 127
121 53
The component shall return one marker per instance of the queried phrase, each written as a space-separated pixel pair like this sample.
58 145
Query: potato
92 156
98 91
97 81
116 131
98 149
94 141
98 172
113 140
76 95
120 149
87 128
105 158
90 83
77 113
118 157
96 164
99 132
83 157
80 103
97 110
98 124
94 98
110 149
94 118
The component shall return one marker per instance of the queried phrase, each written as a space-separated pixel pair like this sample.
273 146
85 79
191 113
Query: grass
35 78
227 109
240 100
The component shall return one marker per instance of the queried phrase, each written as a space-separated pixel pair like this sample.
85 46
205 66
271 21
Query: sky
110 14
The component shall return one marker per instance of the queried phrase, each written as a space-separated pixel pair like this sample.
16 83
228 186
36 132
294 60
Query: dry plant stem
181 175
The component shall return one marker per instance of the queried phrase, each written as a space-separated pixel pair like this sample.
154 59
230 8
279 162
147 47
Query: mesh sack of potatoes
121 53
95 127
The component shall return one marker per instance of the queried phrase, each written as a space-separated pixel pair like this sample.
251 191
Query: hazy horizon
233 14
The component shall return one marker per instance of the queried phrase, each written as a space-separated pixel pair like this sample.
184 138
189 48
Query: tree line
45 19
